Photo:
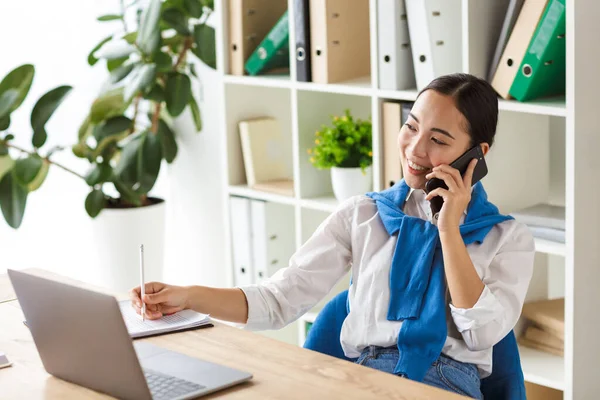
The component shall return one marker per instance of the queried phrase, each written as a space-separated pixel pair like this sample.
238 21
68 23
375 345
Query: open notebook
183 320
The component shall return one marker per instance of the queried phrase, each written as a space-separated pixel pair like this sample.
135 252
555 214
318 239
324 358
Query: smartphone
461 164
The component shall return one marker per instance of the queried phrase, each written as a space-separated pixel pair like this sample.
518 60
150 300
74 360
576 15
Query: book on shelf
545 221
284 187
512 12
545 215
537 335
263 154
249 23
549 315
517 45
273 53
543 69
545 326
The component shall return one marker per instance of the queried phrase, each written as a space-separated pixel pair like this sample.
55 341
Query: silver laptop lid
80 336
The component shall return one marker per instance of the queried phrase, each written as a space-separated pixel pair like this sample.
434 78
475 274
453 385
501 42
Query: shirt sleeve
506 282
312 272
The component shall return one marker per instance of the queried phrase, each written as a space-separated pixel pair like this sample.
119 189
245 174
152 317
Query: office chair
505 382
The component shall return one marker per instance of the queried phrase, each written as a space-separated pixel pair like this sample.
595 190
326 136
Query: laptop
81 337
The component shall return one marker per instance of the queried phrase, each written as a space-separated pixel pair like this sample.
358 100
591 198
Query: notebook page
182 319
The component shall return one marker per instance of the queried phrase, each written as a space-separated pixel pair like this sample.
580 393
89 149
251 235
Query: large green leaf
131 37
109 104
4 123
205 45
95 202
177 92
13 198
40 177
7 101
92 59
43 110
110 17
139 163
113 64
167 141
107 142
19 79
193 7
6 165
195 113
143 78
120 73
176 20
127 193
99 173
26 169
157 94
163 61
115 49
149 35
112 126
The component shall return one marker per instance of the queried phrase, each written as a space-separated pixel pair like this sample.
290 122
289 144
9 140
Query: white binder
395 64
273 236
435 29
241 238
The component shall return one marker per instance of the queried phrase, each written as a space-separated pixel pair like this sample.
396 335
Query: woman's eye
436 141
412 128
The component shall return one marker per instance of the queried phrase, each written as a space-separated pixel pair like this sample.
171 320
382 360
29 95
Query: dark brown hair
476 99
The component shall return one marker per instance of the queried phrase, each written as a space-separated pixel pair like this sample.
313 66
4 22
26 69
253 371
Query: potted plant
127 133
345 148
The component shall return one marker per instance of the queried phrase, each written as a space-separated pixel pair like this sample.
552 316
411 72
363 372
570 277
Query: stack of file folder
545 221
533 46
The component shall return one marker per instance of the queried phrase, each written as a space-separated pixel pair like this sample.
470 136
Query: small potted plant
347 149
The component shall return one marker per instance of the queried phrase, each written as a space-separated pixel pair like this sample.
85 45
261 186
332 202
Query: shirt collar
421 196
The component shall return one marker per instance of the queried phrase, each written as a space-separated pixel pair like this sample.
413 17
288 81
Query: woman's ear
485 148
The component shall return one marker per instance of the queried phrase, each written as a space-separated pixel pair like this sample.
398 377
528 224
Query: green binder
273 52
542 72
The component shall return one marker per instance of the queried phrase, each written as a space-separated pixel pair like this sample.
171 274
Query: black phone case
461 164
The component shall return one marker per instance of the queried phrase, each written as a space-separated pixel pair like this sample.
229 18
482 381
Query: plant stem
136 103
187 44
46 158
154 127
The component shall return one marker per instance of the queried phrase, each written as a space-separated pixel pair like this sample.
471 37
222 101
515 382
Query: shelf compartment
543 368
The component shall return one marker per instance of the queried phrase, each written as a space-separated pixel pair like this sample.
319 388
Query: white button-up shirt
353 237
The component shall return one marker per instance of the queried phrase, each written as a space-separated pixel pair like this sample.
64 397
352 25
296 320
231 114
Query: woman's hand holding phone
456 197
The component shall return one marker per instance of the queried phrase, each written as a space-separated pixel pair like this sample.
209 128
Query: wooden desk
281 371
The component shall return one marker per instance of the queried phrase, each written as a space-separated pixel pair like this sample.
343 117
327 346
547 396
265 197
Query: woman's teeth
416 166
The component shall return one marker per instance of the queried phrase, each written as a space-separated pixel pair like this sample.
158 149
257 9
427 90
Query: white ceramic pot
118 234
348 182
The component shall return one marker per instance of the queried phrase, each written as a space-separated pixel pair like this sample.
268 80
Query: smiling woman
429 298
452 114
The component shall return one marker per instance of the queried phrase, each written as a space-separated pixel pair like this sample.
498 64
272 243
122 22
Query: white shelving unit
545 151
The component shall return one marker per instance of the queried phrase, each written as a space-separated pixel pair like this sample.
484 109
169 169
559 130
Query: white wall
56 36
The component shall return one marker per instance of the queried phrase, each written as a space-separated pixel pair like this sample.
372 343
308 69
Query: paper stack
544 220
546 329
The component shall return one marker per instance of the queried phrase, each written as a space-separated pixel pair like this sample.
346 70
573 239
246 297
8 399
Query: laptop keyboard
165 387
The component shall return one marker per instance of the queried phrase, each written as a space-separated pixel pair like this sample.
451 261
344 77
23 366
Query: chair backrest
505 382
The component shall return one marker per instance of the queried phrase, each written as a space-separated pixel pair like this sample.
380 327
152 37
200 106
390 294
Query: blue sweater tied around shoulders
417 281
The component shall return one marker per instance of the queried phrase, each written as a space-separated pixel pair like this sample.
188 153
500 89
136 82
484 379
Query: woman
429 299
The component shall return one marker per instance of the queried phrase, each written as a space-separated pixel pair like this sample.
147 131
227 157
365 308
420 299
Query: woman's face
433 134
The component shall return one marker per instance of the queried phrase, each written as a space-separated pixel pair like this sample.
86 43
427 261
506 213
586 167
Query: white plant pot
118 234
348 182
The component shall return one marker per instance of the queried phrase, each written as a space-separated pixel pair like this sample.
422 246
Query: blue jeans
444 373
